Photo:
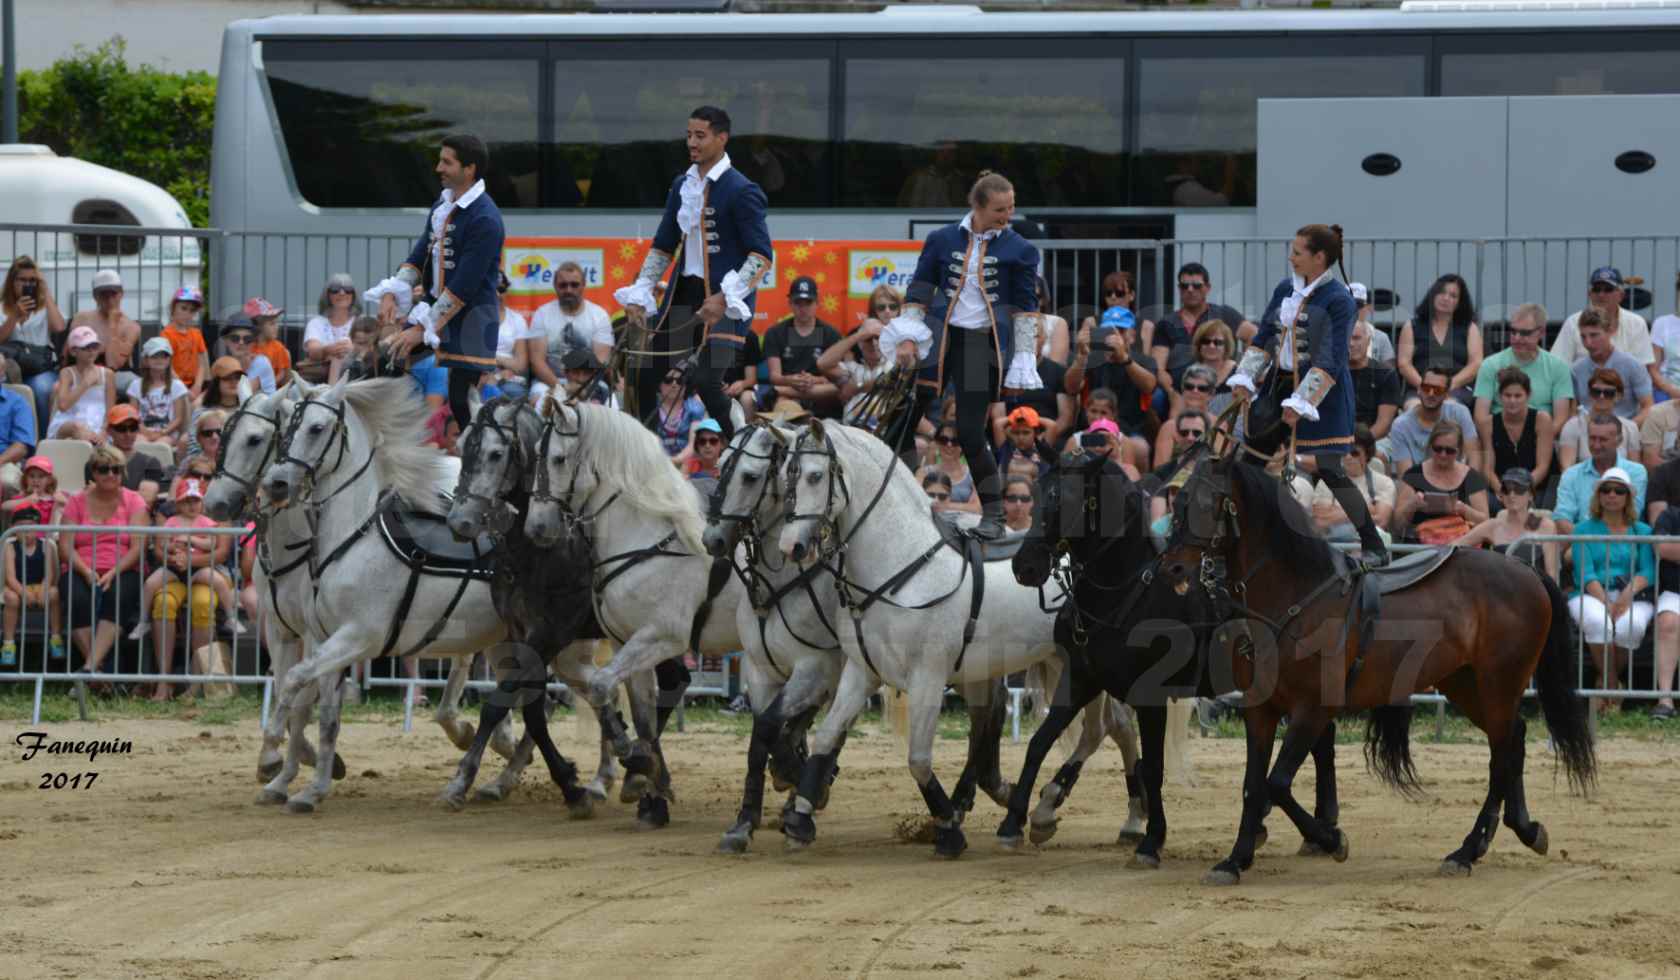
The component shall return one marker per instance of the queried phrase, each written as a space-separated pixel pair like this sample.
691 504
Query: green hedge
153 124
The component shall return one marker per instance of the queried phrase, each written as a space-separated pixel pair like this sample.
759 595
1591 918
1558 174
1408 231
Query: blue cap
1607 273
709 425
1118 317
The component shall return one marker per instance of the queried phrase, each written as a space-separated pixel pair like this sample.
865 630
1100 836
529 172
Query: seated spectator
186 339
1105 404
1657 434
747 380
565 323
32 319
937 486
102 580
1519 437
145 474
954 466
265 319
1443 333
40 492
1196 396
1635 399
186 578
1177 437
239 339
1377 489
1102 438
1025 441
584 379
443 431
856 362
513 359
793 348
17 435
161 397
1120 295
1516 520
1627 329
1667 648
201 468
1604 389
1168 341
31 582
702 468
206 432
1441 499
1665 370
1117 368
1057 410
1576 485
1381 346
119 333
1054 337
1213 346
1664 489
227 389
1551 388
86 391
1609 577
1377 390
678 412
326 337
1018 502
1408 438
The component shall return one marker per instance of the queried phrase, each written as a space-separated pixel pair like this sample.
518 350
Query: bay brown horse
1245 555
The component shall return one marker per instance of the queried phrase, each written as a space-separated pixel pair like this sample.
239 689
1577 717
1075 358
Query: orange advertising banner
846 272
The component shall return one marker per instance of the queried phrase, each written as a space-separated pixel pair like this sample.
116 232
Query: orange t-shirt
278 356
188 345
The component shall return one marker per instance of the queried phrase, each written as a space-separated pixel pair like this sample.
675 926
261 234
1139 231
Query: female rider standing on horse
971 303
1311 316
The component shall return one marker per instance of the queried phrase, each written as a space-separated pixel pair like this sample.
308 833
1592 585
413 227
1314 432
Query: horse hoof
270 797
1144 862
635 787
949 842
583 808
1309 849
598 793
1542 842
1221 877
1454 868
1130 834
338 767
490 794
735 840
299 806
1000 794
653 813
1341 852
1040 833
1011 844
454 802
266 771
798 828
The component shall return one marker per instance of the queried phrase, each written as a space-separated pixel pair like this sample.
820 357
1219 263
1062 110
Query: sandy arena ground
166 869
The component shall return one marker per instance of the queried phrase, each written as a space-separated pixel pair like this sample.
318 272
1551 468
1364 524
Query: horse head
561 483
748 497
498 455
1086 506
249 437
815 494
313 443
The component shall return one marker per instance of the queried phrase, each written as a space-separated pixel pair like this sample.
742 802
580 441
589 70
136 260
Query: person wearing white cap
86 390
163 400
1382 347
117 332
33 321
1610 575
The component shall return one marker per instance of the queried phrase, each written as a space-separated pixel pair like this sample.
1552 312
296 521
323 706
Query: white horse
343 446
908 596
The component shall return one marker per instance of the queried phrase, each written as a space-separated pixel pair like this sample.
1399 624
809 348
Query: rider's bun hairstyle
987 186
1326 240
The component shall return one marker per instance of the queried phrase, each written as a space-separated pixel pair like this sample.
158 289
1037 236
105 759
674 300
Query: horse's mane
402 460
631 459
1275 514
869 446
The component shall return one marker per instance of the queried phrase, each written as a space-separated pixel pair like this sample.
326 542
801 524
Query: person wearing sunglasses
957 471
1628 331
1604 451
1215 349
1609 578
326 336
1195 307
145 474
1116 308
1634 401
1197 397
1018 503
103 577
937 486
565 323
702 467
1443 492
1408 438
1378 490
1551 387
239 340
1179 435
1442 332
857 362
1516 520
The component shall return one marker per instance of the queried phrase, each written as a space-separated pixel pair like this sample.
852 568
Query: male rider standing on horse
458 260
1310 317
970 306
714 229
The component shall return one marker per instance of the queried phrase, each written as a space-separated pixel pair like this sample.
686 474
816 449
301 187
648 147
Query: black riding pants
971 369
1349 499
705 373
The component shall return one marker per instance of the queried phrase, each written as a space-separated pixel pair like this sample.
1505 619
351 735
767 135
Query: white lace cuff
638 293
1242 381
397 288
1302 407
735 293
1023 372
904 328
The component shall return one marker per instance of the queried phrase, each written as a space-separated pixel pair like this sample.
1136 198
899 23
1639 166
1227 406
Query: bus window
619 124
1578 65
919 129
362 122
1198 111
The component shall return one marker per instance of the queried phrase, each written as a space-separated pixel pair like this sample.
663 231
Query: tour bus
1112 125
41 188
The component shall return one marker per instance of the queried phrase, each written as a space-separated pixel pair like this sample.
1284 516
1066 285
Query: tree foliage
152 124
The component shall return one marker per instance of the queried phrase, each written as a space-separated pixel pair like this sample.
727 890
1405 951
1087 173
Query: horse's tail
1388 748
1566 714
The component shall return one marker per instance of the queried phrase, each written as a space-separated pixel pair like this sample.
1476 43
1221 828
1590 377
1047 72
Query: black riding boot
1353 505
991 526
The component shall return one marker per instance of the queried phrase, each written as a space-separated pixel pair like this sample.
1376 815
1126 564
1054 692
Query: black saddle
1407 570
960 537
424 540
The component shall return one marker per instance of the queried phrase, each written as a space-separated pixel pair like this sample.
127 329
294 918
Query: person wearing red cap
40 491
86 391
265 319
187 576
30 570
1024 429
186 339
144 474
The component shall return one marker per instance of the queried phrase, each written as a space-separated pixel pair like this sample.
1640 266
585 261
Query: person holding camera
32 331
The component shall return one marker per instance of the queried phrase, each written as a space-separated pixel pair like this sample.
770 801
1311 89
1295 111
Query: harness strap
633 557
891 587
977 593
438 625
714 585
394 632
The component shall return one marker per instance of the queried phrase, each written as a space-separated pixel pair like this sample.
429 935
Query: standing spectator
33 322
1408 438
1443 333
326 337
1578 483
1552 389
116 331
1521 436
1635 399
1442 489
1025 440
1055 339
17 434
855 363
102 582
1515 521
1609 577
1195 307
86 391
1377 390
1657 434
40 492
793 348
1627 329
265 318
702 468
1377 489
31 581
1017 506
1114 366
1665 370
565 322
186 339
162 399
676 415
145 475
1604 390
1381 345
239 340
513 360
955 467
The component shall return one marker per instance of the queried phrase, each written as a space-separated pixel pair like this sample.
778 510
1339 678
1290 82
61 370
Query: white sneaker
237 626
140 631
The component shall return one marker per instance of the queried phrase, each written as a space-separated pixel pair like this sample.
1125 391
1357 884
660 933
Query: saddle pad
422 539
1409 570
958 530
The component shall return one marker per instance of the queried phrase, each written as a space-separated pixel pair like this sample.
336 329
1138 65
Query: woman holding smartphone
1443 487
32 318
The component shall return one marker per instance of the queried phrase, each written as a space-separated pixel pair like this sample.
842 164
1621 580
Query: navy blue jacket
732 223
1327 316
470 250
1008 281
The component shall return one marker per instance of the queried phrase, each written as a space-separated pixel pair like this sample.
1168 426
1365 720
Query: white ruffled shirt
968 309
693 193
440 214
1287 313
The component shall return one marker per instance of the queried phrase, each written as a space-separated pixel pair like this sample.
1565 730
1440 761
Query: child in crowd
186 340
181 555
40 492
265 318
163 400
86 390
31 574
